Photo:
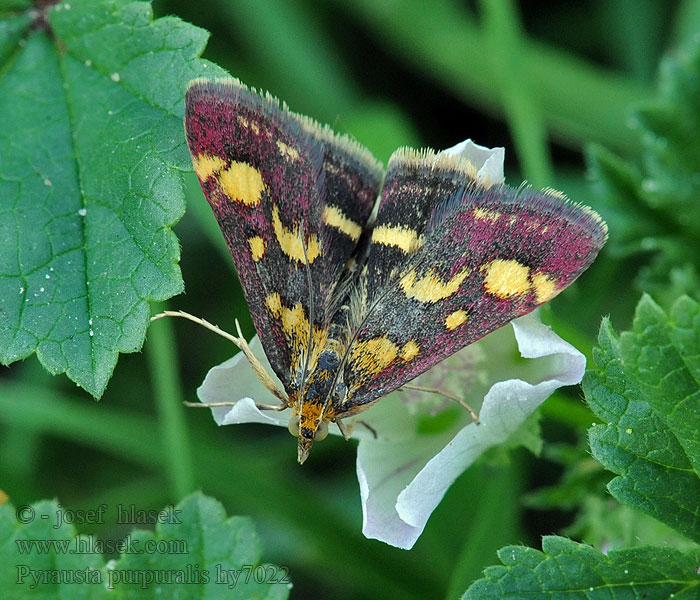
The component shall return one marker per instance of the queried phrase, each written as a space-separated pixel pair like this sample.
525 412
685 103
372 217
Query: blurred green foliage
545 83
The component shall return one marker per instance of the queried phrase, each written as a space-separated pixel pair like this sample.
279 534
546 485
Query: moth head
308 430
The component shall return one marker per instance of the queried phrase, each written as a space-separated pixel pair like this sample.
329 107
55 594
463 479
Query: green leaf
195 550
228 550
11 31
647 389
565 569
36 559
91 150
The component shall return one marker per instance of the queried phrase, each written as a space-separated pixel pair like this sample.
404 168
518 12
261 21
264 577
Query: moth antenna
240 343
259 406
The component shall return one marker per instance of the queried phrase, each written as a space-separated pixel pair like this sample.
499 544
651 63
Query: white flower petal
488 161
420 484
235 381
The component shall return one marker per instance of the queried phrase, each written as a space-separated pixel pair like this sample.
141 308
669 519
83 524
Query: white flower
488 161
423 441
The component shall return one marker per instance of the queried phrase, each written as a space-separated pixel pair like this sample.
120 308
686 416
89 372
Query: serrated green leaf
195 550
663 353
565 569
91 151
647 388
39 556
228 550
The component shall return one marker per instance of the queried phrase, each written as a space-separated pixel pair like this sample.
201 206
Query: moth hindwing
349 307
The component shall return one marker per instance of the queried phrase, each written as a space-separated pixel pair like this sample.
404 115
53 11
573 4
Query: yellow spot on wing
291 241
409 350
545 287
287 151
506 278
372 356
257 247
334 217
455 319
402 237
295 324
242 183
295 328
430 288
206 165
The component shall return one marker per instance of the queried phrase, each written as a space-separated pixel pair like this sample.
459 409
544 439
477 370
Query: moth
357 279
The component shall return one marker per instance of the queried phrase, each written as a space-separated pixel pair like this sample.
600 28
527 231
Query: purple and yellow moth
359 280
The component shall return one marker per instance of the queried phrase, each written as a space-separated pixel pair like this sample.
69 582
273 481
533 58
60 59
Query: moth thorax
321 379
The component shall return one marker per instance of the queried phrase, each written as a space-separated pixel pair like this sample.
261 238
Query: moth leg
347 430
242 345
276 407
457 399
372 430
